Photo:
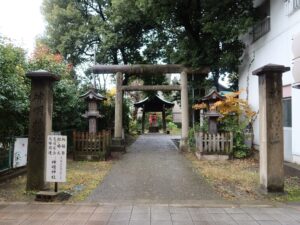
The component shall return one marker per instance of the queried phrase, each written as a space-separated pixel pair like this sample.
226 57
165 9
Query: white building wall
274 47
296 125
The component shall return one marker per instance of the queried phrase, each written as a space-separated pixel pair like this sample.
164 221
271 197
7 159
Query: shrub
236 116
135 127
171 126
197 128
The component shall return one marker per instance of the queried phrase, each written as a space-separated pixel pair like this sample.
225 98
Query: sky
21 21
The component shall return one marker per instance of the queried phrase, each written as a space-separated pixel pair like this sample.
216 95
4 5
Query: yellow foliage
111 93
232 105
199 106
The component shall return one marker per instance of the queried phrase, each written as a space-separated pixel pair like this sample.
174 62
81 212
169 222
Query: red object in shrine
154 119
150 120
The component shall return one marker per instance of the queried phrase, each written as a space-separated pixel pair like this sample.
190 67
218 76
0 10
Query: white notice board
56 158
20 152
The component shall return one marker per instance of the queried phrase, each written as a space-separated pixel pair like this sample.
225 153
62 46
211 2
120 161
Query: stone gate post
271 127
185 112
118 141
40 126
118 107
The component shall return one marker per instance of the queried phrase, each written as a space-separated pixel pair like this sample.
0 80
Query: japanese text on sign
56 158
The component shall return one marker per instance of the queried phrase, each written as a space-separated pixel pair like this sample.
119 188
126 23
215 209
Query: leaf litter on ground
82 178
238 179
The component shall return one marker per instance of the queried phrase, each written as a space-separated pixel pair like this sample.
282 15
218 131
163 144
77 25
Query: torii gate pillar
185 112
118 140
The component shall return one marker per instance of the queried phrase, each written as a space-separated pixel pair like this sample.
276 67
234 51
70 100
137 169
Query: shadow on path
152 170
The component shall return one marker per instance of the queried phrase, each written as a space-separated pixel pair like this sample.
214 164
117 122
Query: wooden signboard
56 162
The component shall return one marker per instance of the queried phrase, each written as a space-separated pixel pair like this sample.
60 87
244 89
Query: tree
67 107
114 32
77 28
195 33
203 32
14 91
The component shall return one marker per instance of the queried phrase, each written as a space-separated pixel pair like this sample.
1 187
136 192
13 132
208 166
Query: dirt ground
239 180
82 178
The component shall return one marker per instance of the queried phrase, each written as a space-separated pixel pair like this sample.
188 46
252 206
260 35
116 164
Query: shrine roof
154 104
213 95
92 94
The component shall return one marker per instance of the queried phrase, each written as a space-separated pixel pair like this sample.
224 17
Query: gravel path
152 170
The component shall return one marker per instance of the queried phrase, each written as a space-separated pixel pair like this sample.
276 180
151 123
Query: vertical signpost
56 166
56 163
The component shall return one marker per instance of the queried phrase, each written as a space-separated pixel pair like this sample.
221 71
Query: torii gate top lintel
148 69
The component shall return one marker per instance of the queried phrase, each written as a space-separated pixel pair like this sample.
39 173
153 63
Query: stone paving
153 171
94 214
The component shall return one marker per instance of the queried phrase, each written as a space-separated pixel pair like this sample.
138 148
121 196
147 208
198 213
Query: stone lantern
212 121
92 98
212 115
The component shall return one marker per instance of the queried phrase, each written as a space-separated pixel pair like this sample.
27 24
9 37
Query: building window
263 22
287 112
261 28
291 6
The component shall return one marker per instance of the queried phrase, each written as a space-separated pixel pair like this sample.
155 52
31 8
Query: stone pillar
143 120
184 112
92 115
40 126
92 125
213 125
118 141
271 128
118 107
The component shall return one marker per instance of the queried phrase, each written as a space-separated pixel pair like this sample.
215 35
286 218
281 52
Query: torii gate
119 70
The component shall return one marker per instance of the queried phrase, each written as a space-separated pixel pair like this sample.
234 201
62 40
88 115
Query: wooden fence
91 146
221 143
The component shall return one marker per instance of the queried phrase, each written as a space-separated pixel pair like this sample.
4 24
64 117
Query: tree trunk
216 76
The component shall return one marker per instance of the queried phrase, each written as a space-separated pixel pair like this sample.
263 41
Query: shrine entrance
154 105
119 70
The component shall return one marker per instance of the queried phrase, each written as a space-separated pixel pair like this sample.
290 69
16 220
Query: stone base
269 190
201 156
46 196
117 145
184 145
118 141
153 129
51 196
117 148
